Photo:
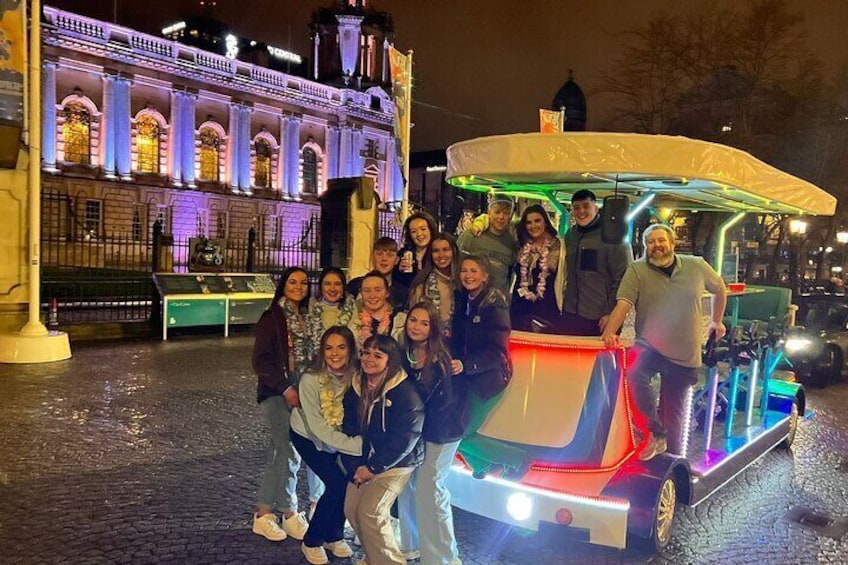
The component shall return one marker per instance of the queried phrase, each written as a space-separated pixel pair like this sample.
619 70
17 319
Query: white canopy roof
684 173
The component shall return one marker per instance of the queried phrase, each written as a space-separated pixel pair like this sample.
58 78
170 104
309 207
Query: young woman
426 519
418 230
332 307
537 294
279 355
375 313
316 434
437 281
481 329
383 406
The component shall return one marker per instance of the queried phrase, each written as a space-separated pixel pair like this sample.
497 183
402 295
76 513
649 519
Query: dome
571 97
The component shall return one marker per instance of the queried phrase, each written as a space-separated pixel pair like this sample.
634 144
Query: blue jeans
424 508
279 479
676 383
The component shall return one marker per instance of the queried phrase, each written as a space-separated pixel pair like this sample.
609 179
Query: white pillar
48 132
244 147
175 157
107 129
331 151
232 147
316 41
187 134
123 130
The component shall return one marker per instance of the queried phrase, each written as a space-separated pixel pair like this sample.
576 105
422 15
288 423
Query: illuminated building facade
139 128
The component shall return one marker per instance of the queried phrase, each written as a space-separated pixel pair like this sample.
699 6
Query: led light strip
606 503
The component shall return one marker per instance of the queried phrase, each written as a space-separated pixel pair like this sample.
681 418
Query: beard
662 259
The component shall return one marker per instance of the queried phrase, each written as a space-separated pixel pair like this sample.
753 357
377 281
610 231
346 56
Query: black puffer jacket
480 340
445 405
391 436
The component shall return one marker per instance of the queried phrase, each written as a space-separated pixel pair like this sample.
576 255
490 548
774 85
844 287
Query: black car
817 346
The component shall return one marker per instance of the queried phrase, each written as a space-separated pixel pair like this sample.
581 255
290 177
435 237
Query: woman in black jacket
384 407
481 329
426 519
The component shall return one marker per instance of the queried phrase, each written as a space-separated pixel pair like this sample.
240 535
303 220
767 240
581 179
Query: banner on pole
401 91
551 121
12 61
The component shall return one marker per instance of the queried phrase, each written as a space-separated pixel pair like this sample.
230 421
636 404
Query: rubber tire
794 418
834 370
657 543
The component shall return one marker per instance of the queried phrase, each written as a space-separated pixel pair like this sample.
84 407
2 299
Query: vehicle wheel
664 513
794 417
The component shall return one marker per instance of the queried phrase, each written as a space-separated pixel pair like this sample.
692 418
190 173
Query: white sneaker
339 549
315 555
411 554
296 525
268 527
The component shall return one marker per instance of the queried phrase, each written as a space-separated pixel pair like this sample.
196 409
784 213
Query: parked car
817 346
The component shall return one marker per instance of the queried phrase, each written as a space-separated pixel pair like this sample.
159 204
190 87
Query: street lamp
797 228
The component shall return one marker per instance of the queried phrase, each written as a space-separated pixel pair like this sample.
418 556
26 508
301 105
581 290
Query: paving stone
149 452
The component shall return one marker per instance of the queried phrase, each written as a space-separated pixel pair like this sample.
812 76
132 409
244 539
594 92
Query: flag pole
33 343
404 205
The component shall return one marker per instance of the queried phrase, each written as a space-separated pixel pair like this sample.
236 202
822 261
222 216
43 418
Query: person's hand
456 366
718 328
479 225
610 339
362 475
602 323
292 399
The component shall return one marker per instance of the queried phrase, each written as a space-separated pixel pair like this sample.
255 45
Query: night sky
481 67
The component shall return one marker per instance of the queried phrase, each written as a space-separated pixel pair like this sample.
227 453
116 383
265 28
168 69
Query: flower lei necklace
299 342
524 260
431 293
370 324
331 391
315 319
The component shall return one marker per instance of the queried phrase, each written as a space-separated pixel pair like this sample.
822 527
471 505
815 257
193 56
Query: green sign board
186 312
247 311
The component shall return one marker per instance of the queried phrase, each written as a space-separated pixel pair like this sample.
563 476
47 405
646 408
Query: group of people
374 382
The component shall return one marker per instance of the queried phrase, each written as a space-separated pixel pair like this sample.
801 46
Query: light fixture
798 227
519 505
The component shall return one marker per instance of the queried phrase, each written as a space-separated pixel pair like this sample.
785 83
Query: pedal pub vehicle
567 411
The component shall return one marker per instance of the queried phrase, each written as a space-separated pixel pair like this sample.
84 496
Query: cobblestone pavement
151 453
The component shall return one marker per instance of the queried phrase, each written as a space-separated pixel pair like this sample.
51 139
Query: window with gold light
310 171
210 145
76 133
147 144
262 165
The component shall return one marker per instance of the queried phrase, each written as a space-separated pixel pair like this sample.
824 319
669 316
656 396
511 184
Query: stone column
385 72
107 128
175 161
232 147
244 148
48 116
290 139
187 135
357 163
123 130
350 31
344 151
331 151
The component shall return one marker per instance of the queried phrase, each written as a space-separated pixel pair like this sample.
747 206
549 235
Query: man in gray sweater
497 243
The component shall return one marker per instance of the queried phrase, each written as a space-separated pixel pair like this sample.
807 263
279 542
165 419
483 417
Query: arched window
310 171
210 144
262 165
76 133
147 144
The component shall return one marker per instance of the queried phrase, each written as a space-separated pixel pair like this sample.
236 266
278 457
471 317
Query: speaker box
614 219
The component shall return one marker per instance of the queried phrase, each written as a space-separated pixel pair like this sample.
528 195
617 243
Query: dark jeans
675 384
575 324
327 524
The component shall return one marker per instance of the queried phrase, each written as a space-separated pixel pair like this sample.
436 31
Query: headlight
520 506
797 345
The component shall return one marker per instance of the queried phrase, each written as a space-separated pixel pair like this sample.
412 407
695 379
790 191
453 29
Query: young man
497 243
666 290
594 269
384 257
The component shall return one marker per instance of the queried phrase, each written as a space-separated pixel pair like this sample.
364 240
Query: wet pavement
150 452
